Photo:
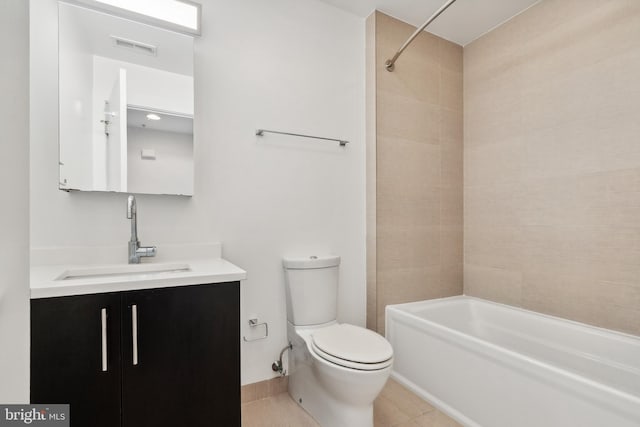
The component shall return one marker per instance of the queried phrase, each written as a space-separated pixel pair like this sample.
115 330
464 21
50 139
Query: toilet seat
352 347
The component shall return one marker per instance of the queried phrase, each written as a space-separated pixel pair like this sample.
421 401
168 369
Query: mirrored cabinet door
126 105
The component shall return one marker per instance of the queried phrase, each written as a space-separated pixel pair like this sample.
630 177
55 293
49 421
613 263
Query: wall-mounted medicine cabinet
126 105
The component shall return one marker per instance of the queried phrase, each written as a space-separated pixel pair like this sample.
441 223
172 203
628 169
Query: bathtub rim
592 390
574 323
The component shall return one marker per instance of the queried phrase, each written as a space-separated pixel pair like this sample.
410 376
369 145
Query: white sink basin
122 270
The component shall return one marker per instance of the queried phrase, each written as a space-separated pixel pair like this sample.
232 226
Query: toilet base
307 392
333 396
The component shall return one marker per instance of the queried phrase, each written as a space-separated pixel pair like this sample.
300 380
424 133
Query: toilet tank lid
309 262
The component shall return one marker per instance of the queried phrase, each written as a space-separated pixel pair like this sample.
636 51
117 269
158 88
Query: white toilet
335 370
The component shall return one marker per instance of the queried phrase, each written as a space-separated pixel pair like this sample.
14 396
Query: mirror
126 105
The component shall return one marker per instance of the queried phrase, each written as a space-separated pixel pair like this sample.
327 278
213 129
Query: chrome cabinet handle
134 332
103 317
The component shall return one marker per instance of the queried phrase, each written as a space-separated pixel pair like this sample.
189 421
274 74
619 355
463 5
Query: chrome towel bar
261 132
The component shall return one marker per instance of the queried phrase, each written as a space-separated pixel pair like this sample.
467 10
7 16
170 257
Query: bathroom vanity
138 345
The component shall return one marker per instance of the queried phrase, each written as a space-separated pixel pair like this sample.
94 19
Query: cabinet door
75 356
181 356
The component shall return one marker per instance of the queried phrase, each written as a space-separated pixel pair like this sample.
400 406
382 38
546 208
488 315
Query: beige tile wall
415 166
552 162
372 271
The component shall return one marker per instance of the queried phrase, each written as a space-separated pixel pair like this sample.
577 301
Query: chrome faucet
135 250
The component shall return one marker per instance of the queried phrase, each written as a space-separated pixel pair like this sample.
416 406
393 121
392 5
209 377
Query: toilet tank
311 289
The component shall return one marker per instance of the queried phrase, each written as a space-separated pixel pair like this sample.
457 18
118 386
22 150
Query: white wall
171 172
14 223
295 65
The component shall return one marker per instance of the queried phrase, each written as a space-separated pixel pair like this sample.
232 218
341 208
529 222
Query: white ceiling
462 22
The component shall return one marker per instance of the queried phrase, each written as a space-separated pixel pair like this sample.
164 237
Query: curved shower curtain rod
390 63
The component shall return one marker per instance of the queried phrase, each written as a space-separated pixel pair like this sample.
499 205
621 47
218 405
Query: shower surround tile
418 149
552 162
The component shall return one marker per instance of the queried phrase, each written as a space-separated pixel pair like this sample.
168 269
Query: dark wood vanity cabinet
188 367
172 356
66 356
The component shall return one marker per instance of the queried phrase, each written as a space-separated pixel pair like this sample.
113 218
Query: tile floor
395 407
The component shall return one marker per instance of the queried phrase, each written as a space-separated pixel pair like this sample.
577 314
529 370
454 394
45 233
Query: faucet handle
150 251
131 206
146 251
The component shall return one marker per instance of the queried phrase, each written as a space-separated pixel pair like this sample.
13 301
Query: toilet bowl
338 392
336 370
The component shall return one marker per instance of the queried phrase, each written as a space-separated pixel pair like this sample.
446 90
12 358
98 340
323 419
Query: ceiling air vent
134 46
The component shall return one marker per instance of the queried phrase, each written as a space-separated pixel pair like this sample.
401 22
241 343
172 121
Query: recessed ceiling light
152 116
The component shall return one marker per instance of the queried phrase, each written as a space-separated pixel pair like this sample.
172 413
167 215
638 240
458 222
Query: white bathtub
492 365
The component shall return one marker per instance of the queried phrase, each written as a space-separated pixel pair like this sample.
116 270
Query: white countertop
44 283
